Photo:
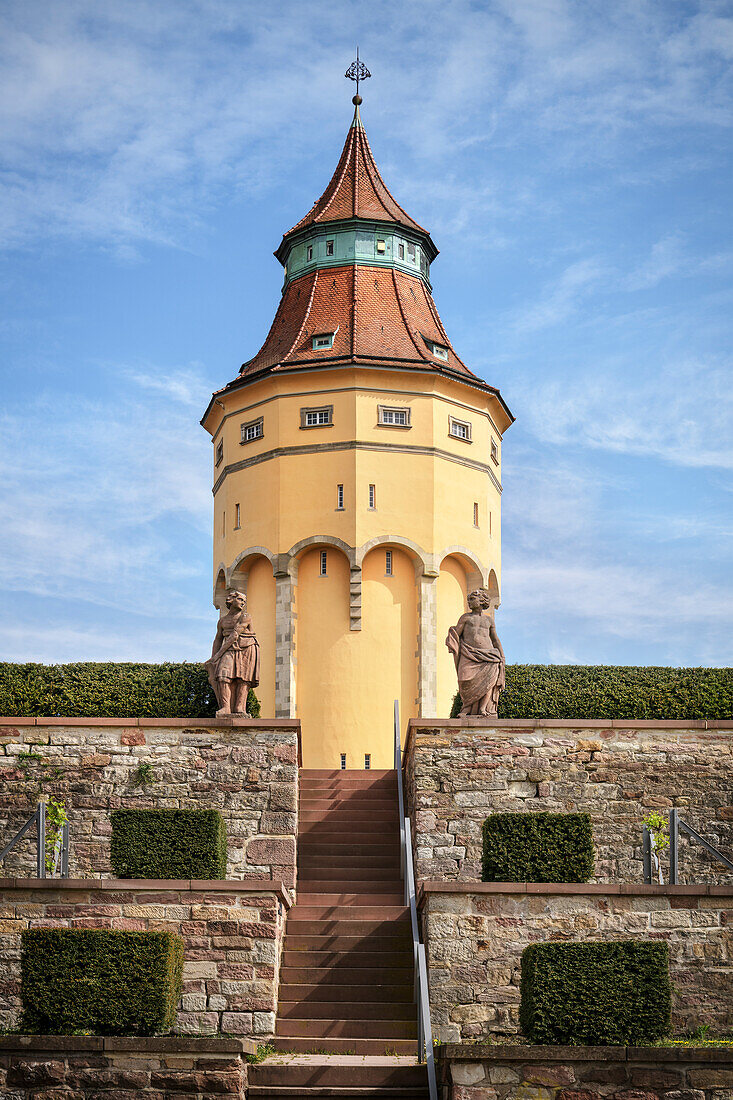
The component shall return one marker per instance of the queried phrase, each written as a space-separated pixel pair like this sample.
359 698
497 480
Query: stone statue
234 665
479 658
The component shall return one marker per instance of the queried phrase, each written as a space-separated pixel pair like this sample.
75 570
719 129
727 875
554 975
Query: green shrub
538 847
99 981
595 993
94 690
614 691
168 844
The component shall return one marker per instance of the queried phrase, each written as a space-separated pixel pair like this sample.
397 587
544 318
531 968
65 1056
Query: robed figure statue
479 658
234 665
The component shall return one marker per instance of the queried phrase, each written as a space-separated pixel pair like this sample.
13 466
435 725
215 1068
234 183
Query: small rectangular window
388 563
329 248
236 517
343 761
367 761
494 452
394 418
459 429
381 246
309 252
219 452
401 250
440 352
410 251
475 514
316 418
323 340
253 429
324 562
340 497
372 496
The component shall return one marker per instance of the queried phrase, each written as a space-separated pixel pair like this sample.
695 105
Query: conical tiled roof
356 189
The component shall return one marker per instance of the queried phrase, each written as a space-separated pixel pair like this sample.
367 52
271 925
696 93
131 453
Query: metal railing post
65 851
674 840
646 854
41 841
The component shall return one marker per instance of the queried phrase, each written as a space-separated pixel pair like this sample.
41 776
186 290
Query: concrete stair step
348 1029
323 1045
352 974
331 1075
331 962
336 1010
312 992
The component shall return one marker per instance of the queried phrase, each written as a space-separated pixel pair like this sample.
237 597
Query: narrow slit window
223 523
309 252
219 452
489 523
329 248
372 496
410 251
367 761
388 563
494 452
475 514
236 517
324 562
343 761
401 250
340 497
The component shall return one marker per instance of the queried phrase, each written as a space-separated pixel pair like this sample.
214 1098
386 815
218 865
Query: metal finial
357 71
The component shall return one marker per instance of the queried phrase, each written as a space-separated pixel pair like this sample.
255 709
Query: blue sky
573 162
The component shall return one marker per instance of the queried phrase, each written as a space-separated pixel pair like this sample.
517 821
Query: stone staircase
346 1016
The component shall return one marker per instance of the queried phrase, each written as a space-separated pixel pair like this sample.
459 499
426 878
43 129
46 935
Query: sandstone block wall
460 771
583 1073
474 937
232 933
247 769
88 1068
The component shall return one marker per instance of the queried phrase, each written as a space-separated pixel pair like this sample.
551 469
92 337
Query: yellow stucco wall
426 482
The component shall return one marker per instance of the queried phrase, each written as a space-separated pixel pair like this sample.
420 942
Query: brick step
345 1029
331 962
357 943
382 888
390 862
312 992
329 1076
335 914
304 1045
354 973
344 1010
330 899
292 1092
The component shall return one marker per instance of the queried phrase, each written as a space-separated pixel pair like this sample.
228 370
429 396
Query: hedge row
538 847
99 981
595 994
614 691
168 844
106 690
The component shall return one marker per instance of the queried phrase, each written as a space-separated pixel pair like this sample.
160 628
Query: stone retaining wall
246 768
474 937
487 1072
459 771
232 933
65 1067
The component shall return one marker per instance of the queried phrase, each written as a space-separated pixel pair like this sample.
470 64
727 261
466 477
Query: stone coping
176 723
624 889
183 885
163 1044
510 1052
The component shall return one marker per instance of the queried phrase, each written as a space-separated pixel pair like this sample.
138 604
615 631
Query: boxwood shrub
93 690
538 847
102 981
614 691
595 993
169 844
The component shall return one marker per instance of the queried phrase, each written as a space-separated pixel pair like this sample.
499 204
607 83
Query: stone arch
251 552
424 563
220 587
476 573
296 552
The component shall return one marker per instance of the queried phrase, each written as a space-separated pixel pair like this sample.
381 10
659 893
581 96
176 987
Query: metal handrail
38 818
424 1028
676 826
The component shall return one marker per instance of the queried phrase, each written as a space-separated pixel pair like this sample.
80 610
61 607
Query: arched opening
453 588
253 576
220 589
493 588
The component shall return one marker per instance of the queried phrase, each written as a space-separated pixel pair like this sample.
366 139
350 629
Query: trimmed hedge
99 981
169 844
614 691
538 847
595 994
94 690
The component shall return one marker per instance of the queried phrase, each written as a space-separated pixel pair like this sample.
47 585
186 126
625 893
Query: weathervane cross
357 71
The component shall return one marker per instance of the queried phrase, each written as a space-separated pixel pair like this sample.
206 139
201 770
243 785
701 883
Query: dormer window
323 340
440 352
